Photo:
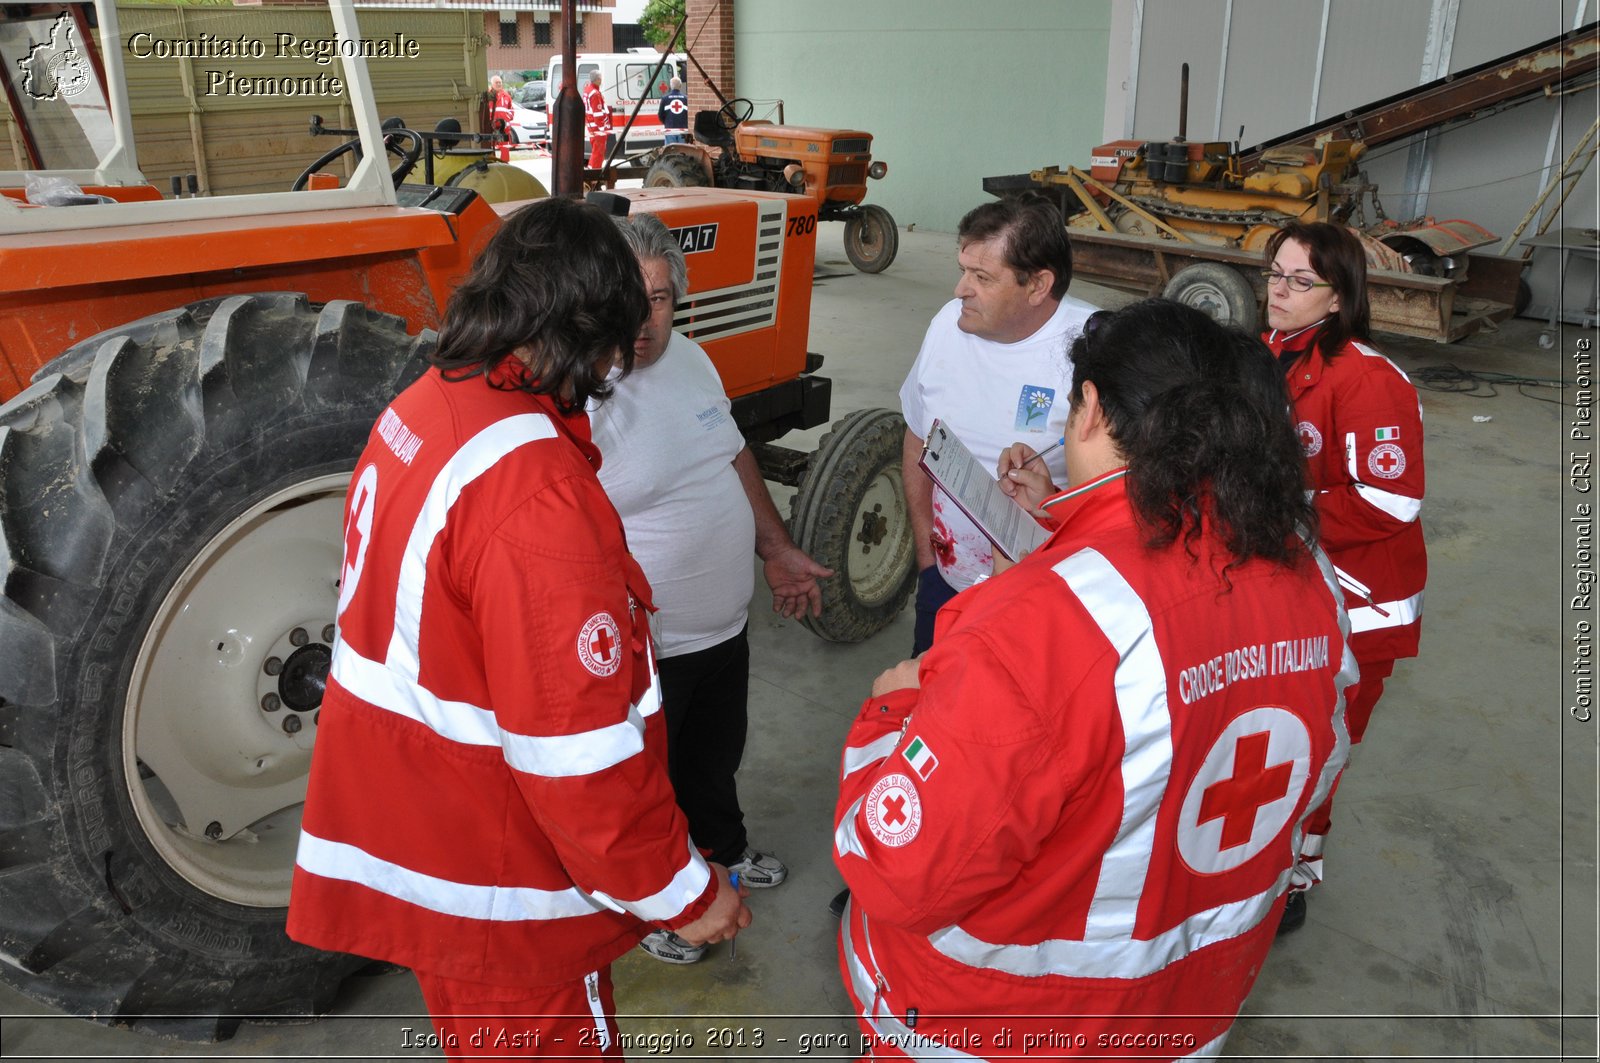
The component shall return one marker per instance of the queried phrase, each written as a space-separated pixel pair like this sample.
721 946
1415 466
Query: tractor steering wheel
736 112
394 133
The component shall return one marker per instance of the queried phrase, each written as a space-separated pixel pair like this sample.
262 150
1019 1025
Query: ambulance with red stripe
625 79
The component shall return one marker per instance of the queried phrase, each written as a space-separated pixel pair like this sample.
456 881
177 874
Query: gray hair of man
676 84
649 238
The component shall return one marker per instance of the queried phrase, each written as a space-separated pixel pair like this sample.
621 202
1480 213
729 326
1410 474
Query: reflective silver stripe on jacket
1380 615
493 903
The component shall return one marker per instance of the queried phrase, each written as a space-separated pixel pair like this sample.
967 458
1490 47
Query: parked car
530 120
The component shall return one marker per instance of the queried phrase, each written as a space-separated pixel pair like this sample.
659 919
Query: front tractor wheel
171 497
850 515
871 239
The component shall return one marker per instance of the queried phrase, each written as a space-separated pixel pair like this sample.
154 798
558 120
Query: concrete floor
1459 918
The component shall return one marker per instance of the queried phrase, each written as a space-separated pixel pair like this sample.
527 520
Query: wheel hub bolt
273 666
291 725
270 703
327 634
213 830
298 637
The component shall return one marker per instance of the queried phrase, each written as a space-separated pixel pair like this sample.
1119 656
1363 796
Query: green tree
659 20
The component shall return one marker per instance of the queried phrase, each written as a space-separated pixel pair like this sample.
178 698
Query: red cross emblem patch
1246 790
894 811
1310 438
1387 460
600 645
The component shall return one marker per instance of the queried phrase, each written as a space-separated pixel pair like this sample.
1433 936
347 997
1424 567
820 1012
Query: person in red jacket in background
596 121
489 802
1360 425
1072 822
501 111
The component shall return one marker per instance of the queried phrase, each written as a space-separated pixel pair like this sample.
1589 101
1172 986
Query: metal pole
566 169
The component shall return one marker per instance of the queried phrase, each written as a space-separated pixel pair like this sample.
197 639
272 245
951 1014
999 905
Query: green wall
952 90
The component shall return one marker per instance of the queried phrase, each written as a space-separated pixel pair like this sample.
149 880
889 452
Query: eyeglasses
1296 283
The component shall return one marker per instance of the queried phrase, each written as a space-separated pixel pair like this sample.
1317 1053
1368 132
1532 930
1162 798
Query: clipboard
974 490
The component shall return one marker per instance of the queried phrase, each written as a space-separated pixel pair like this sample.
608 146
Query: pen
733 942
1051 449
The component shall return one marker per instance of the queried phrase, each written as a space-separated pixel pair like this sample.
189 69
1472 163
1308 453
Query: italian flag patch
1385 435
921 758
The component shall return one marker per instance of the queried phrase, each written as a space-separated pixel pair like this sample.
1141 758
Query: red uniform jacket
488 797
1360 425
501 111
1090 809
596 115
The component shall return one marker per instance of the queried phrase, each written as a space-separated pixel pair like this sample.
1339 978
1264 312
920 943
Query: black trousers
932 593
705 699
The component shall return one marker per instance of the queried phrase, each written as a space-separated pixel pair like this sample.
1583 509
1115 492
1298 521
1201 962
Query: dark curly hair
1338 257
558 286
1201 414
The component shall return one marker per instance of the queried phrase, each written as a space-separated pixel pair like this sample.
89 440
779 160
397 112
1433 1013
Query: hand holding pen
726 916
1023 477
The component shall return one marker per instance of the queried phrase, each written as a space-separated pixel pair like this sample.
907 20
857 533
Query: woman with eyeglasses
1360 425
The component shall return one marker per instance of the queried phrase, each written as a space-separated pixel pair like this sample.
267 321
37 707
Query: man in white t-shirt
694 506
994 367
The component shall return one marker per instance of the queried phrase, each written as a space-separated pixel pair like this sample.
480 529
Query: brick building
522 35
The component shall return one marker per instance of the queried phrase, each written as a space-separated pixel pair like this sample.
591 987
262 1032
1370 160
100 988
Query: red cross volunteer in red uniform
501 111
1360 426
1069 827
488 802
596 121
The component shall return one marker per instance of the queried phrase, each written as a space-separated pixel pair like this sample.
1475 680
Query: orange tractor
830 165
187 380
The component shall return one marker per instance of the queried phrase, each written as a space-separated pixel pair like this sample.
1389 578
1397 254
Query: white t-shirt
667 443
992 395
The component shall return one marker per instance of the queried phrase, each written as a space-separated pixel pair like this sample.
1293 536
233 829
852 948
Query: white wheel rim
877 550
224 778
1210 300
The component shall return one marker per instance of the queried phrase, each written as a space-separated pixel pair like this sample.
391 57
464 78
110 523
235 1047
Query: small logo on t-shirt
1033 407
710 417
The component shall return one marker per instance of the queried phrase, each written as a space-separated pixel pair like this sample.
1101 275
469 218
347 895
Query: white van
625 78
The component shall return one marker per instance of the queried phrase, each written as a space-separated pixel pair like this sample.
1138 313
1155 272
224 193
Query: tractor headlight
877 170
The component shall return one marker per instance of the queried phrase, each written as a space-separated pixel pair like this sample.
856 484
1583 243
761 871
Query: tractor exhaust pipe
1183 104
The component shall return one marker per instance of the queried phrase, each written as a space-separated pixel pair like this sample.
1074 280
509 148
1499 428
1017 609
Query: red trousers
574 1020
1359 702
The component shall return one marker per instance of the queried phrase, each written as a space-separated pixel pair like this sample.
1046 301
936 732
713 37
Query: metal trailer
1227 284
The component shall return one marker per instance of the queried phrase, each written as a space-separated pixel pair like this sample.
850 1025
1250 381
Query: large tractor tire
171 496
676 169
871 240
850 515
1218 291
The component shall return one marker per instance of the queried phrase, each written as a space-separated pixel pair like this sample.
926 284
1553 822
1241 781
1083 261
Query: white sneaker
668 947
759 870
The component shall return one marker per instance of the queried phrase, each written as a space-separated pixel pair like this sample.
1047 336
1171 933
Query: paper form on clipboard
974 489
